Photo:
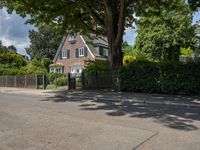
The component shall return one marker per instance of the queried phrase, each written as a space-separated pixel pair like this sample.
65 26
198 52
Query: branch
86 25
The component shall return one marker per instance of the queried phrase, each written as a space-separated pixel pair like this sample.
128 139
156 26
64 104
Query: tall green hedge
172 78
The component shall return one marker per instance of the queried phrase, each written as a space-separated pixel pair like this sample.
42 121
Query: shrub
128 59
61 81
33 67
52 76
97 66
173 78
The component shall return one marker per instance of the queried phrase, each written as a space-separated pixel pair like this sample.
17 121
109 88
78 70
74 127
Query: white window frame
72 38
52 70
64 54
81 51
105 52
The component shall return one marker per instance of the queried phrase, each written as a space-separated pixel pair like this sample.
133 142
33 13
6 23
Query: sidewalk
33 92
156 99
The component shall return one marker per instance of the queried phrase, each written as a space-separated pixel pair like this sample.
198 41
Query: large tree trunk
115 21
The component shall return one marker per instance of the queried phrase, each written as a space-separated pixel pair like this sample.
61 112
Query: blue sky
13 31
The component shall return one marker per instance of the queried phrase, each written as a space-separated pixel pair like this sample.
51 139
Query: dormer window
72 39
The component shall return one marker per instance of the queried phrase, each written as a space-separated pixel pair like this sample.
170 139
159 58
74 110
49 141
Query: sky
14 31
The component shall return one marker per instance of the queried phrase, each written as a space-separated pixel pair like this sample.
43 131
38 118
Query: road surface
58 123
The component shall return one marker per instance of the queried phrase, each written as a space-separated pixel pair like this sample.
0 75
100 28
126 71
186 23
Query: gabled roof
94 40
90 42
59 48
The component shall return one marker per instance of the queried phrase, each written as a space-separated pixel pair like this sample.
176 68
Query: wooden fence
23 81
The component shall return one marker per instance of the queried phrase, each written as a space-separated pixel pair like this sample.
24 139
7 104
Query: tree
2 48
44 42
104 17
163 35
194 4
12 49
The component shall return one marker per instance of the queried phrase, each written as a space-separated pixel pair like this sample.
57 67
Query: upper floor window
81 51
105 52
64 54
72 39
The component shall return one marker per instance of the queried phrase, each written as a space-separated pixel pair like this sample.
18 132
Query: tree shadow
180 118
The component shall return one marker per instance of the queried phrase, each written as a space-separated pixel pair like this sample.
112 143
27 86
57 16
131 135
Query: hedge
152 77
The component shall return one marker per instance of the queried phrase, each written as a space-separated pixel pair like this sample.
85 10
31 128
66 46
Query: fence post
6 80
25 81
43 82
15 81
36 81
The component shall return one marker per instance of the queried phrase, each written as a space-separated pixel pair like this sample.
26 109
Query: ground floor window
56 69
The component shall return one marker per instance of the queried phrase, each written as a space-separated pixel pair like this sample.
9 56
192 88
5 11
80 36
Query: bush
160 78
61 81
52 76
128 59
33 67
97 66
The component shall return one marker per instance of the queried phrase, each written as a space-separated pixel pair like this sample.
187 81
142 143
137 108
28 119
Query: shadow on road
180 118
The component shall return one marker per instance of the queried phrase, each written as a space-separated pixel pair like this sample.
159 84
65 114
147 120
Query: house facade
74 50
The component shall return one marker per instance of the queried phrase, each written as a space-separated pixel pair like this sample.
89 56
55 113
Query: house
74 50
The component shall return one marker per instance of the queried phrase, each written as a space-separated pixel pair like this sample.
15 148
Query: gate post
82 80
43 82
69 82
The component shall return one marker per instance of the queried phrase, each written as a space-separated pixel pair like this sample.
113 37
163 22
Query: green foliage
97 66
194 4
7 70
14 60
128 59
86 17
138 54
52 76
163 34
186 52
34 67
61 81
44 42
46 62
173 78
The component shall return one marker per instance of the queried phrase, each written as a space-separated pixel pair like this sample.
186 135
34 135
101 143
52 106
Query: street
58 123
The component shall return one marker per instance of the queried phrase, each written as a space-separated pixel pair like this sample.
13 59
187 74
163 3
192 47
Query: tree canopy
106 17
44 42
163 35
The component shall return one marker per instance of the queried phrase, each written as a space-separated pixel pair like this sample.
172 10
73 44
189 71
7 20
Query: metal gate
74 81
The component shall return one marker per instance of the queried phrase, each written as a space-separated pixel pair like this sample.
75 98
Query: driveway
60 123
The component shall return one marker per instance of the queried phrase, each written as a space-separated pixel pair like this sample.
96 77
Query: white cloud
13 31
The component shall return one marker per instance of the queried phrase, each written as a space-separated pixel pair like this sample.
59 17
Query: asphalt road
57 123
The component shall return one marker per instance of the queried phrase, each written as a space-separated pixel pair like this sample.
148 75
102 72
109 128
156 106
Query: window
52 70
72 39
64 54
105 52
81 51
